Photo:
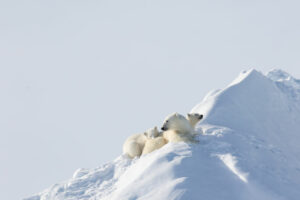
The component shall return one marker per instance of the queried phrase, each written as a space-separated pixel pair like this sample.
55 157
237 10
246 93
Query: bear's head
152 132
176 122
194 118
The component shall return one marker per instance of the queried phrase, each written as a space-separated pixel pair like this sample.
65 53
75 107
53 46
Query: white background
78 77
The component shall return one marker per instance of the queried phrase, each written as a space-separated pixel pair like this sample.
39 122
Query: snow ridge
249 150
285 82
230 161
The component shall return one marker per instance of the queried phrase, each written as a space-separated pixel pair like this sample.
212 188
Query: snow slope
249 150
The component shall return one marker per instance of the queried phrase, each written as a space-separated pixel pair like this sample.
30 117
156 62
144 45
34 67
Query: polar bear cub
134 145
153 142
194 118
178 128
152 133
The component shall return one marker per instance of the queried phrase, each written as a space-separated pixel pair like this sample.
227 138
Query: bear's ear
176 114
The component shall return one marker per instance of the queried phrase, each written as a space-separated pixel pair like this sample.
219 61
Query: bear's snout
163 128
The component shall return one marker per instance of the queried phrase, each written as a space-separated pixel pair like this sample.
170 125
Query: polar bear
153 142
134 145
177 128
152 133
194 118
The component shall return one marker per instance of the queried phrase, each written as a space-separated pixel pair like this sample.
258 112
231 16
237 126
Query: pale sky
78 77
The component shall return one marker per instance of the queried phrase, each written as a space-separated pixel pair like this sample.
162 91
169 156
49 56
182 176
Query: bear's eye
167 121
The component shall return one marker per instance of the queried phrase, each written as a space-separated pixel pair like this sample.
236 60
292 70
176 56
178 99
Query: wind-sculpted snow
287 84
249 150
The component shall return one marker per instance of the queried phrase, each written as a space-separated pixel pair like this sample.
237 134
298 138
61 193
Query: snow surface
249 150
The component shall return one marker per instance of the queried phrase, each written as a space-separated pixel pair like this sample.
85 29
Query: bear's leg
133 149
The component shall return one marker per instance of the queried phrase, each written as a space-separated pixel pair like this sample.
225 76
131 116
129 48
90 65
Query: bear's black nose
163 128
201 116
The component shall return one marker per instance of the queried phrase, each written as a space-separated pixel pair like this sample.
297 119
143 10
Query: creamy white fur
152 133
153 143
134 145
194 118
178 128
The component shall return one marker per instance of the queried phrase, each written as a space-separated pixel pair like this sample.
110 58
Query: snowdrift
249 149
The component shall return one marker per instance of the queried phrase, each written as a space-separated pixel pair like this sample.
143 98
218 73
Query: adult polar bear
141 144
184 131
177 128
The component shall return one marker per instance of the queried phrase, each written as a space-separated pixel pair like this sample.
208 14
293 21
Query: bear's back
177 136
139 138
153 144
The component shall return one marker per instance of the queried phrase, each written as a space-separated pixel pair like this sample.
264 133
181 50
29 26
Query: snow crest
249 150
